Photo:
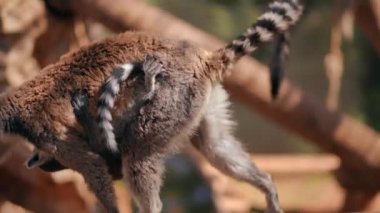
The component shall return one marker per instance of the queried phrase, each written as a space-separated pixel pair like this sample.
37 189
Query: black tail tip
275 84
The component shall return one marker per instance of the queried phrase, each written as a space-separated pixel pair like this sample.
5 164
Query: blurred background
319 139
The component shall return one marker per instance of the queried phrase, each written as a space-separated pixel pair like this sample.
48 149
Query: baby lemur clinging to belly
149 68
187 102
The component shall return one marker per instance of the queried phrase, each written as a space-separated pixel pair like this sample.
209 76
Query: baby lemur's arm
151 68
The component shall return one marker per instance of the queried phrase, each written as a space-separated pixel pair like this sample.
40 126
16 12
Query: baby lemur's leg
215 141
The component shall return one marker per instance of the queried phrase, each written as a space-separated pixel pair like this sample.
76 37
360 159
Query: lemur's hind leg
142 174
215 141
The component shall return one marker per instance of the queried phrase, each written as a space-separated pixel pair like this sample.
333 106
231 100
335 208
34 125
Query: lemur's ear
37 160
34 161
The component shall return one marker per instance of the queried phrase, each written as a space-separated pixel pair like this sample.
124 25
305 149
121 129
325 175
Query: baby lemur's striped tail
106 102
281 15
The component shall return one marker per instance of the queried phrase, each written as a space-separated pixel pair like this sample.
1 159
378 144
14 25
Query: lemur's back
46 98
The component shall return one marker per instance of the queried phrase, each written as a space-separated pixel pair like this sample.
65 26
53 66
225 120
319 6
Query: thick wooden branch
355 143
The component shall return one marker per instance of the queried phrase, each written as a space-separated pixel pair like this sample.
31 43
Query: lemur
188 102
45 162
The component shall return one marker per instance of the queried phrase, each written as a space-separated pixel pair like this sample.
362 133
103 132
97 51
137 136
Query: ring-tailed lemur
187 99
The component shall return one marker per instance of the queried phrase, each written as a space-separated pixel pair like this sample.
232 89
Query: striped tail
106 102
281 53
281 15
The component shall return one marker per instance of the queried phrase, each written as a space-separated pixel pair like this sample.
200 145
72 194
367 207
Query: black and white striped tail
106 102
281 15
277 66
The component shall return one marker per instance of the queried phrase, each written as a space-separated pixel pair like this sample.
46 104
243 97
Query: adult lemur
187 103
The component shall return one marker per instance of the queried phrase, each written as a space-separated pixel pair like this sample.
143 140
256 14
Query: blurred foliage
370 79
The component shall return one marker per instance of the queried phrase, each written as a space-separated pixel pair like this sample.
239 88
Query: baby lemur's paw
151 67
79 102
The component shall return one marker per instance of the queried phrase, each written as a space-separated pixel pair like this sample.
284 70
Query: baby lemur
150 68
187 102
